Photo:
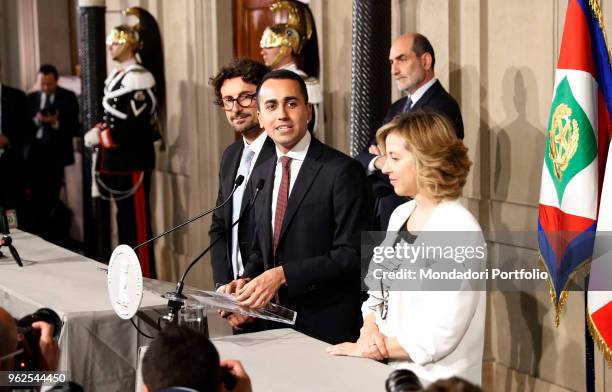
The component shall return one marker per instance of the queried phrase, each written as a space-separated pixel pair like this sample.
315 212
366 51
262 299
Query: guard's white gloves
92 137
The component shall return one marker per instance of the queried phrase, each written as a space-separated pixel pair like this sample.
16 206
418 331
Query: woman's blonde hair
441 158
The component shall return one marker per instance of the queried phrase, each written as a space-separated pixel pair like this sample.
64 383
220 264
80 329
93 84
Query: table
285 360
98 349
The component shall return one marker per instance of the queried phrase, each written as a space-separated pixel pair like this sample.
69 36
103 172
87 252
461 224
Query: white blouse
442 331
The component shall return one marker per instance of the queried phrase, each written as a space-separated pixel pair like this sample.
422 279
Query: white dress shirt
442 331
418 94
43 103
297 155
256 147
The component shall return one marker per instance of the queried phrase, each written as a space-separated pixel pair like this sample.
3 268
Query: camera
28 359
403 380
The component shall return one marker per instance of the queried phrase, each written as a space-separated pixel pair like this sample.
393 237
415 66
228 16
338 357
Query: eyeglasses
11 355
383 306
245 100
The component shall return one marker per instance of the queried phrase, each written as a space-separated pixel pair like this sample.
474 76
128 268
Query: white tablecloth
285 360
98 349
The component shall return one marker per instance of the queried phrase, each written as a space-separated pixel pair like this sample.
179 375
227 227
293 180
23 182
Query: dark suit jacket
55 147
319 246
436 99
17 127
221 225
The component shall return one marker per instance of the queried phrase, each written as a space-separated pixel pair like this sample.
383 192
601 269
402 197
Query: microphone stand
176 302
237 183
176 298
7 241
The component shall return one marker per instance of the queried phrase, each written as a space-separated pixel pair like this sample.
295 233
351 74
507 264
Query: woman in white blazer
437 333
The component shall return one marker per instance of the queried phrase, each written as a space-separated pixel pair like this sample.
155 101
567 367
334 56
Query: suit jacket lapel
308 172
427 96
37 99
264 207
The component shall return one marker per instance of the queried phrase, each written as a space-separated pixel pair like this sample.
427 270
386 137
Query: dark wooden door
251 17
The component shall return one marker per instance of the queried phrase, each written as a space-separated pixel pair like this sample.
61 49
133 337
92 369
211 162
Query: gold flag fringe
596 9
580 272
601 344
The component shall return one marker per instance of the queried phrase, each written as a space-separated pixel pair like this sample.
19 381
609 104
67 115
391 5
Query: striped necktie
243 170
407 105
281 201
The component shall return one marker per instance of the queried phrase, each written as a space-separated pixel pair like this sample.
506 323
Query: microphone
239 180
175 299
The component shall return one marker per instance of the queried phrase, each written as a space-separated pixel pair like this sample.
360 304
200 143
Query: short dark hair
283 74
249 70
181 356
421 45
48 69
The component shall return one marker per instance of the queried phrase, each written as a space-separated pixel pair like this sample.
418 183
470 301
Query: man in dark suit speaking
309 218
412 62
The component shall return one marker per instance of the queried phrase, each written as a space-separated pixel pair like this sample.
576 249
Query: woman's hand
353 350
371 341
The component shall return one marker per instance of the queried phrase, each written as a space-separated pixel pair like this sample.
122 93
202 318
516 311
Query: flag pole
589 352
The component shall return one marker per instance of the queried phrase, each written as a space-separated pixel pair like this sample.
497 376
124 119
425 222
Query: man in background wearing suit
55 114
412 62
15 130
310 215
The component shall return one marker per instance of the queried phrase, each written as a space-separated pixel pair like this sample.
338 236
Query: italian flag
577 140
599 296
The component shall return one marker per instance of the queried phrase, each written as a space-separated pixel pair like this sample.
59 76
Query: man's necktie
44 105
407 105
281 201
243 170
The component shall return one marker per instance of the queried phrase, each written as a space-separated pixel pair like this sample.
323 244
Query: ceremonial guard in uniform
125 137
292 44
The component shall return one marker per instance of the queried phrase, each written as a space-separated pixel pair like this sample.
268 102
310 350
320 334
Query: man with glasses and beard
235 86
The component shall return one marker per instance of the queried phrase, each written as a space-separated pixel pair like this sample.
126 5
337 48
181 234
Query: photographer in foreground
14 345
184 359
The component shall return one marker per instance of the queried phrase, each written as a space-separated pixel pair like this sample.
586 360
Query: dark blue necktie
407 105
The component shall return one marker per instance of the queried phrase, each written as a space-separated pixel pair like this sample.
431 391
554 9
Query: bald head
8 338
412 61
